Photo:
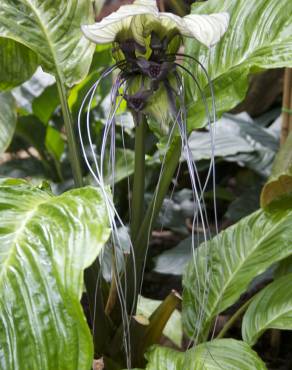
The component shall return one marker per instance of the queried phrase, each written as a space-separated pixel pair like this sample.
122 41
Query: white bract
143 15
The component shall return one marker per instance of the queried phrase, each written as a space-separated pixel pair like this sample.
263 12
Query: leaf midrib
47 37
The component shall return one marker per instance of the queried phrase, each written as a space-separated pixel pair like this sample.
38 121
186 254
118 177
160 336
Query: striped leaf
46 242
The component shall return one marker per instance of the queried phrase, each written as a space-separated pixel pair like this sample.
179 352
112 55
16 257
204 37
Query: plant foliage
259 37
41 25
46 243
237 255
7 120
270 309
228 354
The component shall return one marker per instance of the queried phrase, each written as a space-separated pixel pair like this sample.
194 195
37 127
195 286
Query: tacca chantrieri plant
146 48
145 45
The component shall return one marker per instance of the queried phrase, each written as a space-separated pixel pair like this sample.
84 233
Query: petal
208 29
107 29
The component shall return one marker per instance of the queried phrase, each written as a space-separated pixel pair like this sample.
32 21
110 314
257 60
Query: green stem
139 178
234 318
141 242
69 126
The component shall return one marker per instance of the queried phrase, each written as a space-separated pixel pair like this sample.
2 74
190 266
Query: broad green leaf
280 182
17 63
259 37
174 260
46 243
270 309
173 329
227 264
52 30
7 120
227 354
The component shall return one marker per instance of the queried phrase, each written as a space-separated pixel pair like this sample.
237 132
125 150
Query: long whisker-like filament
211 170
98 175
201 211
194 179
212 129
203 96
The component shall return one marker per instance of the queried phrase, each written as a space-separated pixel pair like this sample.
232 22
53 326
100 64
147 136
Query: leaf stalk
69 127
234 318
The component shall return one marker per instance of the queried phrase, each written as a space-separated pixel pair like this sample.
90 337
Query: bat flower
146 42
150 80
